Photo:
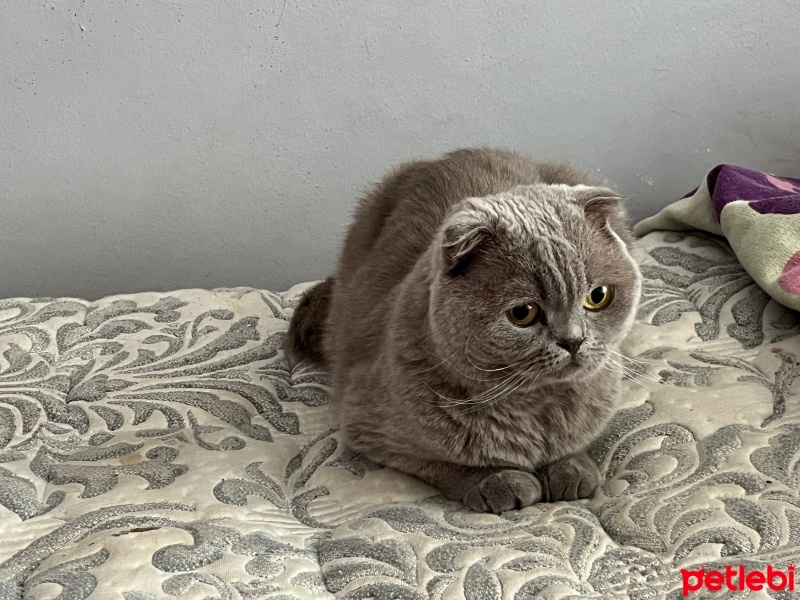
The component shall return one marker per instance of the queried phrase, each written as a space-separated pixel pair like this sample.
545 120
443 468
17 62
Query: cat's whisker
473 399
620 367
623 357
466 354
521 379
625 371
646 375
633 360
639 383
617 367
644 372
494 400
483 398
457 370
504 393
437 365
610 369
460 372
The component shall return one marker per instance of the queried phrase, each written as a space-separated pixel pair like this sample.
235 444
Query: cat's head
538 280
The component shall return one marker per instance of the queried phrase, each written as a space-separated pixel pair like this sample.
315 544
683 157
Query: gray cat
472 323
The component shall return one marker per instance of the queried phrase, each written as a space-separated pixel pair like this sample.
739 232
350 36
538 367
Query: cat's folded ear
461 237
604 207
598 202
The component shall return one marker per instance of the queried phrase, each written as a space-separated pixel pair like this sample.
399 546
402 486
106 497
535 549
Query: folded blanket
759 215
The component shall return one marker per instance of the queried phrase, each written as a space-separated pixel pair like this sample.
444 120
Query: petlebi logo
738 579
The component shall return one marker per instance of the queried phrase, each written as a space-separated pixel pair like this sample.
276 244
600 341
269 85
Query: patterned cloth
758 213
158 446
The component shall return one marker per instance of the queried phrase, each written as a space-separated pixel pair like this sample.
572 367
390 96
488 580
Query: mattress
158 445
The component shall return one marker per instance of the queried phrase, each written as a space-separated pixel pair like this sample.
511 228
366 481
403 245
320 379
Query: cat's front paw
570 478
502 491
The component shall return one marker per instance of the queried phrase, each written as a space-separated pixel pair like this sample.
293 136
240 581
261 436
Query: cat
472 324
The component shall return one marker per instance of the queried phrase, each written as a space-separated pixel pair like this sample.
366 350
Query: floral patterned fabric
158 446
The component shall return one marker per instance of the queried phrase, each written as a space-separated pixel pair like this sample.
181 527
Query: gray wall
163 144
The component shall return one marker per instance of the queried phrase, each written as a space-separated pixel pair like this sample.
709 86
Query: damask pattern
158 446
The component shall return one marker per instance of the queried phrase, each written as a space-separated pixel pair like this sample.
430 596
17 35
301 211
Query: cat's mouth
568 361
567 367
572 366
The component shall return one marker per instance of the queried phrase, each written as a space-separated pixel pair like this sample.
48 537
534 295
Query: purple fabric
765 193
692 193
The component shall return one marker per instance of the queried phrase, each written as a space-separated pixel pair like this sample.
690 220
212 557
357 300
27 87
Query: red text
738 579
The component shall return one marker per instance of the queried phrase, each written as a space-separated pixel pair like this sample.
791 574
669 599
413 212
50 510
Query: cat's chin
574 369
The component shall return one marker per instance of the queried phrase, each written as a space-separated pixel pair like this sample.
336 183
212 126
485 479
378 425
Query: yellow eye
599 298
523 315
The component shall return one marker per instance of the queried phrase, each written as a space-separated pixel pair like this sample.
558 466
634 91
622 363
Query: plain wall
163 144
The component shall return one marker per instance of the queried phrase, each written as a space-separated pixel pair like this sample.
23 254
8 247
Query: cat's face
534 282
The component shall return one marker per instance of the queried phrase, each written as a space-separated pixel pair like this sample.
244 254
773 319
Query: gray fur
429 375
304 338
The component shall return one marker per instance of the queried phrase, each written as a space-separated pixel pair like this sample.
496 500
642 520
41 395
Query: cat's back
396 222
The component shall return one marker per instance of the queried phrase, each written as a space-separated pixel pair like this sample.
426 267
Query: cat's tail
306 329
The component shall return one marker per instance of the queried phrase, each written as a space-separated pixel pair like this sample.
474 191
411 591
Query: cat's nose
571 345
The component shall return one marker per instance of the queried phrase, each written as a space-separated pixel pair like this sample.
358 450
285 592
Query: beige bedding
157 445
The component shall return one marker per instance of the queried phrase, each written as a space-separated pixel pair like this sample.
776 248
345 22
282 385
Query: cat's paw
570 478
502 491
